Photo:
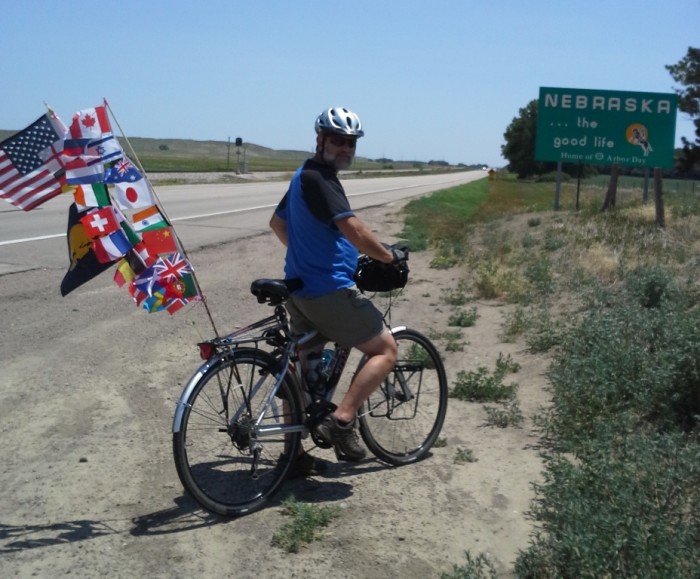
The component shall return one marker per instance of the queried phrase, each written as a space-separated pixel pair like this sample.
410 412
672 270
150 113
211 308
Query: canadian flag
90 124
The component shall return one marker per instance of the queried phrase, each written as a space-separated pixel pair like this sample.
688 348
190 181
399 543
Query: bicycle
241 417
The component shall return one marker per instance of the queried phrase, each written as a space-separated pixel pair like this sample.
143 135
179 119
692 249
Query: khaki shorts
344 316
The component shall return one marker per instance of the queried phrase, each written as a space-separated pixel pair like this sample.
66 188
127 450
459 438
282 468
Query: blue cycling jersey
317 252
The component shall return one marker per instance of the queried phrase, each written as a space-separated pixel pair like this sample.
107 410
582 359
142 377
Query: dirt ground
88 486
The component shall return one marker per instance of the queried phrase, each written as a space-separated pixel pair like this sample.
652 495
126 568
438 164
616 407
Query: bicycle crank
316 412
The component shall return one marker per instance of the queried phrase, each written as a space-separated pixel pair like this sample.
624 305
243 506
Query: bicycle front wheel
402 419
221 461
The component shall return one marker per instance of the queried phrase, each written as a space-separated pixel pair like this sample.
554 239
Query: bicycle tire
214 458
399 431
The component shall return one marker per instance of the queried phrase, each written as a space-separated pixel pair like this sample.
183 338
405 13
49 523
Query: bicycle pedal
317 411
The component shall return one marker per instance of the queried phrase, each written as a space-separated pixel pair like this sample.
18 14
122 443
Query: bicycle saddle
274 291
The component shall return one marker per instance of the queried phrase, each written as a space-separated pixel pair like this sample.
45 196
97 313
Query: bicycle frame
219 349
273 330
216 350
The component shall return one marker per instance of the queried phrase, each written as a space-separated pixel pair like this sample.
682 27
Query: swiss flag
100 222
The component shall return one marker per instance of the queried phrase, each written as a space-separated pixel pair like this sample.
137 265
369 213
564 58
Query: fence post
557 192
659 197
611 194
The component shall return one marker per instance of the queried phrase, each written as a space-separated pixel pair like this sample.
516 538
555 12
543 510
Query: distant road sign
603 127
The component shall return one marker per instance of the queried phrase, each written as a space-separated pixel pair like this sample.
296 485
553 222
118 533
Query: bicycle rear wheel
402 419
219 460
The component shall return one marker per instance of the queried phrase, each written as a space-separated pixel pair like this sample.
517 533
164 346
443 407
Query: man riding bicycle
324 238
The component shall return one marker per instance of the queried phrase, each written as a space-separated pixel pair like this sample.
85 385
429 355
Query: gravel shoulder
88 390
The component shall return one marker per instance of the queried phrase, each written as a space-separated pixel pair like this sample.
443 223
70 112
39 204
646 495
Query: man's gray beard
336 164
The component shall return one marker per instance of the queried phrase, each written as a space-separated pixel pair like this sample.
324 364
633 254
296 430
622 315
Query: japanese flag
133 195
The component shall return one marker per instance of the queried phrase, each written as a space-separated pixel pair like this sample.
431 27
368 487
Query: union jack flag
172 267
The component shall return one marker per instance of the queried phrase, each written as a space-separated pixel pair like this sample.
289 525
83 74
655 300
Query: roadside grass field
615 302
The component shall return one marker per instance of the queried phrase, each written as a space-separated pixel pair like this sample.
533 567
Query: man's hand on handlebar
399 254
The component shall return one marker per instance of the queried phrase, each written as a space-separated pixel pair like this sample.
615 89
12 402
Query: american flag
26 180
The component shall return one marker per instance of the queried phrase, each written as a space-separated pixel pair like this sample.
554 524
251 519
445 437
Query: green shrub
544 331
305 524
506 364
505 415
454 296
463 455
514 325
418 353
528 241
627 366
552 241
479 567
624 509
621 490
463 318
443 262
490 280
482 386
539 274
651 286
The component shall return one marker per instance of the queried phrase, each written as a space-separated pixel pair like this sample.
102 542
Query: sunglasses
337 141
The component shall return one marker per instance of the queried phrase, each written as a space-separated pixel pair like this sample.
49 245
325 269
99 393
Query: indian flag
148 219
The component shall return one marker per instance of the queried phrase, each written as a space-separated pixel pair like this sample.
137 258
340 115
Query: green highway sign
603 127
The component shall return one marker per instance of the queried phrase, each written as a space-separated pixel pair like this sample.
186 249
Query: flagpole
180 245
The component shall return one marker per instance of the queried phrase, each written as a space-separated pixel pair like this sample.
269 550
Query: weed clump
482 386
307 520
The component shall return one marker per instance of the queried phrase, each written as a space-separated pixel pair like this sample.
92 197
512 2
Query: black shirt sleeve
324 195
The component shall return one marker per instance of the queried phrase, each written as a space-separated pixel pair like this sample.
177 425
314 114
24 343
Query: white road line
55 235
13 241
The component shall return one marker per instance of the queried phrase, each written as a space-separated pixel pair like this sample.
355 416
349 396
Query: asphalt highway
202 214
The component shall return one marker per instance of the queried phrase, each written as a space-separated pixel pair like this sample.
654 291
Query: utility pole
239 143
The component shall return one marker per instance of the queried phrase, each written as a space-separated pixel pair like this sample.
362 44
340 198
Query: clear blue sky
431 80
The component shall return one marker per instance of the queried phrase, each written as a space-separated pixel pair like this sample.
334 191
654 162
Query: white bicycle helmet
341 121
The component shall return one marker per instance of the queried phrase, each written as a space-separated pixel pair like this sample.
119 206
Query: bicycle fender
191 383
398 329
